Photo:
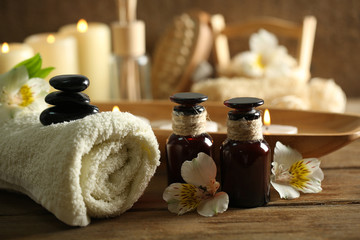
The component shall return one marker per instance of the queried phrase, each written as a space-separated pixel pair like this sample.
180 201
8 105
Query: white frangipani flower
249 64
266 58
200 191
291 173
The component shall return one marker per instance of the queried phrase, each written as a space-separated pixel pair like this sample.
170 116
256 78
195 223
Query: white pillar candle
94 49
56 51
12 54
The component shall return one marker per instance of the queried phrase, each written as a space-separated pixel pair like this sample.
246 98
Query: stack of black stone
70 103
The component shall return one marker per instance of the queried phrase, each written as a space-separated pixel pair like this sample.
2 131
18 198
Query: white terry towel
97 166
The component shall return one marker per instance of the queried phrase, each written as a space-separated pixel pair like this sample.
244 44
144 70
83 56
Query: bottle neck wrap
189 125
245 130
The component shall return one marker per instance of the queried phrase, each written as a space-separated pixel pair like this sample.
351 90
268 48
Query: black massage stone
63 98
58 114
70 103
70 82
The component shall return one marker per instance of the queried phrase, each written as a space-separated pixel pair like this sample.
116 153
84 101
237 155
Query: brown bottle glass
185 144
245 156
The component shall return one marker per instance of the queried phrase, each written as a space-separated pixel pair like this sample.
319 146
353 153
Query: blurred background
337 43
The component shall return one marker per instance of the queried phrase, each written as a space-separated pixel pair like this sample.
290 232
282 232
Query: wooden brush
186 43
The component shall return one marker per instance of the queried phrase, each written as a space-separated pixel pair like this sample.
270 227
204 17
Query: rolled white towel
97 166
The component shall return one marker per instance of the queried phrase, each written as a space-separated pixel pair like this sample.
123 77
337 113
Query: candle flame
5 47
267 119
50 39
82 25
116 109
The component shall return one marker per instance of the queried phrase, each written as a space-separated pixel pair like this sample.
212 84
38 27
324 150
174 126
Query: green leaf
29 61
43 73
33 66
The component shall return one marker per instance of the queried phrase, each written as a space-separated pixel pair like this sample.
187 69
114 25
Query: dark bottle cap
244 108
188 103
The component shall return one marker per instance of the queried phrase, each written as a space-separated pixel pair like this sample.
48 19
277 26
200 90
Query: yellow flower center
26 96
259 62
189 197
299 173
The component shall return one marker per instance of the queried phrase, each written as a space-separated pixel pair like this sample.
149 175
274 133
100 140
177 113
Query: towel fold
97 166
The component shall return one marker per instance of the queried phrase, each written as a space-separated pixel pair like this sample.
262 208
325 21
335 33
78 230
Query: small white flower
200 190
291 173
249 64
266 58
18 93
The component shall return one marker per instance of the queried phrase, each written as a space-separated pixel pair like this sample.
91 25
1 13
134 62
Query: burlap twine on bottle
245 130
191 125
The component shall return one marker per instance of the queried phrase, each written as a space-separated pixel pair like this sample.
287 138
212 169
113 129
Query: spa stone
70 82
58 114
70 103
66 98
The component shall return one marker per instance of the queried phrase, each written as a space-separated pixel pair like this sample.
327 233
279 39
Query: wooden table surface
332 214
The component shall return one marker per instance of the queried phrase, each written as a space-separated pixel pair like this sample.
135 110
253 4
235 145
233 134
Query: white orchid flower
200 190
291 173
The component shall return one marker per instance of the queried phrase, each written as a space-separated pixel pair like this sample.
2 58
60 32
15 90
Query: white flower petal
312 186
313 164
37 106
174 207
182 198
285 191
315 177
285 155
263 41
13 80
39 86
247 64
200 171
212 206
275 168
317 174
172 192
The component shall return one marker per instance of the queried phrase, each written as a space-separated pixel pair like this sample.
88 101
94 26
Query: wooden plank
347 157
310 222
340 186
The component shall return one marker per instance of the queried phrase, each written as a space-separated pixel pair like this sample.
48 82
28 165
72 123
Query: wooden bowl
319 133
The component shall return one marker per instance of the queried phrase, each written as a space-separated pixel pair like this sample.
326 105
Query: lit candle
94 49
116 109
56 51
269 128
12 54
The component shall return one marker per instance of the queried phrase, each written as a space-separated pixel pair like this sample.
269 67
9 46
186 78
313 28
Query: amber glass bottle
189 133
245 155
